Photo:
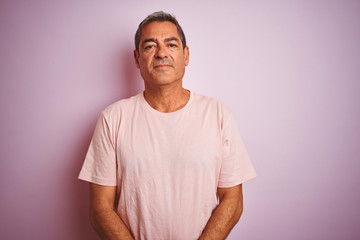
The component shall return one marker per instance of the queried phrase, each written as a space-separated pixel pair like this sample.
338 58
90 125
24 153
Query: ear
186 55
136 57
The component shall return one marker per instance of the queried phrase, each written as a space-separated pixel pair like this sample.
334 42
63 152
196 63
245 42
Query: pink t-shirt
166 166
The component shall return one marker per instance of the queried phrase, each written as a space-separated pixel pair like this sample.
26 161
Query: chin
162 80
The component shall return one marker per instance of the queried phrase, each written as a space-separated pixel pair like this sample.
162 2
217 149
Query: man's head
161 53
159 17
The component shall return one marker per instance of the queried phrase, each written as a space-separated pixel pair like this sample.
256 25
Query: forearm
108 224
223 219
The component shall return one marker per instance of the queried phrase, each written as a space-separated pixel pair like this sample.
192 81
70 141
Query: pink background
290 70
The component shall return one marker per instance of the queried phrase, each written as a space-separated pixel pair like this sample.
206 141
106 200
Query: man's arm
226 214
103 218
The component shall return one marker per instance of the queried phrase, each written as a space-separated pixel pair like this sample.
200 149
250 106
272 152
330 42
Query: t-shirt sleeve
100 162
236 167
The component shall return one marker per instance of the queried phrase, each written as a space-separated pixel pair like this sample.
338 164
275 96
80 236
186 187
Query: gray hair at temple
159 17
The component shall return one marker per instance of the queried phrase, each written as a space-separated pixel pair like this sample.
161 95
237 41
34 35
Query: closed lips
163 65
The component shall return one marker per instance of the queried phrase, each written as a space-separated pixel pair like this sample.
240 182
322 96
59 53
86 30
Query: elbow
92 218
238 212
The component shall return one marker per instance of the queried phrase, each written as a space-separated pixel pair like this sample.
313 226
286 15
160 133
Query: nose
161 51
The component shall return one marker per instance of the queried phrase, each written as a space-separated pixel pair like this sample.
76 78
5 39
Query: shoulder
210 103
116 109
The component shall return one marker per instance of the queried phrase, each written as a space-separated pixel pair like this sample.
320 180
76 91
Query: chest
172 147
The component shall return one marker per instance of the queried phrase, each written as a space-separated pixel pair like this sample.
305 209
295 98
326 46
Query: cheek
144 63
182 61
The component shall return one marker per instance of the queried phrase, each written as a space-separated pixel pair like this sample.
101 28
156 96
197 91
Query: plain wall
289 70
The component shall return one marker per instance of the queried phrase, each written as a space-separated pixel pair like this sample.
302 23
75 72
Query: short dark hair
159 17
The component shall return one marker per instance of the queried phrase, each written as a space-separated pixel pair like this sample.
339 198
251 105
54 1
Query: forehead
159 30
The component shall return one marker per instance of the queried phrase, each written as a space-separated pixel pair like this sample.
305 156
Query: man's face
161 57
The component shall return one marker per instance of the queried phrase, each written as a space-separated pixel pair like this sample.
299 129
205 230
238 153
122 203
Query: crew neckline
151 109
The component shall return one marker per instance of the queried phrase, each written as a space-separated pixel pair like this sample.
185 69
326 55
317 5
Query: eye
149 47
172 45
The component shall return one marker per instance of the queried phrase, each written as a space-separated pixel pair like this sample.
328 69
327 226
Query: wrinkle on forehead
165 31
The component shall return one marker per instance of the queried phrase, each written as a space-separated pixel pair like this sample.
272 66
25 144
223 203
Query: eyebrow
172 39
166 40
147 40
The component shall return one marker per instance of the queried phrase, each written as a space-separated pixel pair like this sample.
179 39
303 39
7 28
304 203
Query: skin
226 214
103 217
161 60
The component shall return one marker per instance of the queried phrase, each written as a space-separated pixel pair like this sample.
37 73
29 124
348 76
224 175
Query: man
167 163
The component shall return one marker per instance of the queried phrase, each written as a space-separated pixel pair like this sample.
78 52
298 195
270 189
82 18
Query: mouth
162 66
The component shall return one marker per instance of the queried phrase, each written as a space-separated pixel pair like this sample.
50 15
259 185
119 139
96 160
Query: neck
166 98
